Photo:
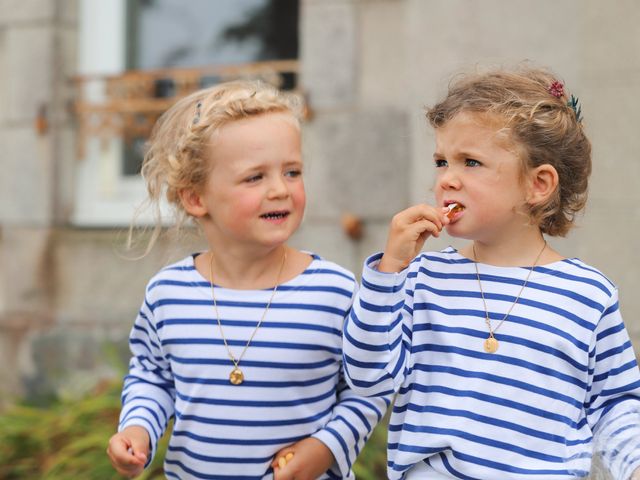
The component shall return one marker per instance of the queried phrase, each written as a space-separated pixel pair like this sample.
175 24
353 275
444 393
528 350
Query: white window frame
104 196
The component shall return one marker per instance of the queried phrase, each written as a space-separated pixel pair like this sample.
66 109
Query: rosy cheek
299 195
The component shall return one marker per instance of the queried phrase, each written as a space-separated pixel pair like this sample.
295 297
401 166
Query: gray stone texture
368 68
28 165
29 59
357 162
15 12
328 40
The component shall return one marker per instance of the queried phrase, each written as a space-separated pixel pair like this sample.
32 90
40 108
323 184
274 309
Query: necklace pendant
236 377
491 344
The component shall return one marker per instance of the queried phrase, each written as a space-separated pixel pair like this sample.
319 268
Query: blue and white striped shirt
294 386
563 383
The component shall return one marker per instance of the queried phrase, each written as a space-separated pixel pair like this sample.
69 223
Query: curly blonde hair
177 152
543 126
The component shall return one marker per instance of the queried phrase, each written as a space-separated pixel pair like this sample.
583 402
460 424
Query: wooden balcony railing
128 105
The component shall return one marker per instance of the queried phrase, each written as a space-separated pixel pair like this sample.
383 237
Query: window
133 50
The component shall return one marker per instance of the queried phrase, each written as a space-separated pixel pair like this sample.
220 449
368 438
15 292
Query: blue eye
253 178
440 163
470 162
293 173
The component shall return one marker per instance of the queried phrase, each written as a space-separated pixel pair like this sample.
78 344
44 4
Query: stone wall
67 296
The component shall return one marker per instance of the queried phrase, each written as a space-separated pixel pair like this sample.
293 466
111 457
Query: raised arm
377 334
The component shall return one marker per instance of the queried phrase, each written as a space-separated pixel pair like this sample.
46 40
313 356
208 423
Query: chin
452 231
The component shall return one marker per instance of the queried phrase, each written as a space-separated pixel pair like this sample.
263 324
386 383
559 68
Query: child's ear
192 203
543 183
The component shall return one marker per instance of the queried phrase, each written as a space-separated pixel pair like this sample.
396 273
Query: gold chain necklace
491 343
236 377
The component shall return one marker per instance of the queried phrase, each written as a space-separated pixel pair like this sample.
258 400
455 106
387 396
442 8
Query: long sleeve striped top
563 383
294 385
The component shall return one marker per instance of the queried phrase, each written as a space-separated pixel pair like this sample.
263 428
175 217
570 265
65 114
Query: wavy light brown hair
543 127
177 153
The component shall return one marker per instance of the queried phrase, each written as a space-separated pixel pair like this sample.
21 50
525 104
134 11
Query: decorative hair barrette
196 118
573 103
557 90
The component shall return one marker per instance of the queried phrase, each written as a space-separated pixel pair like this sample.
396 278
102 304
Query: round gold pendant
236 377
491 345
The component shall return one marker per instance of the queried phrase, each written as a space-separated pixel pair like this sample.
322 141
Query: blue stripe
255 343
357 363
327 271
514 281
493 421
281 288
343 445
616 371
553 394
483 441
206 476
254 423
521 407
237 441
495 316
380 308
536 346
366 327
375 287
248 323
256 383
496 357
610 331
256 403
365 346
227 460
252 363
261 305
152 400
509 299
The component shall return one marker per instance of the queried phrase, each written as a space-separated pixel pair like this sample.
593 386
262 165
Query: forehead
257 138
256 126
468 130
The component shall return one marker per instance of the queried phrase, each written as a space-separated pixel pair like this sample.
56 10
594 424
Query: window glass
175 33
197 33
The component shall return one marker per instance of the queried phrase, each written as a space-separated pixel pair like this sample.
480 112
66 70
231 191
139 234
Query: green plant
68 440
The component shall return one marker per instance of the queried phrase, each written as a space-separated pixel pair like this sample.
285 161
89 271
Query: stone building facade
68 296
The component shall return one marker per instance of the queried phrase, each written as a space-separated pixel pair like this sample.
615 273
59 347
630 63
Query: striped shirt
563 383
294 385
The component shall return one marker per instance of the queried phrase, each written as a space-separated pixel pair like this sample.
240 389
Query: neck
508 251
246 271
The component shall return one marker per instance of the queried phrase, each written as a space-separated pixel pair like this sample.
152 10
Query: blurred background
82 81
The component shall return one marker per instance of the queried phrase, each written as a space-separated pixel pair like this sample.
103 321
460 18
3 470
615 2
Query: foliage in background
68 440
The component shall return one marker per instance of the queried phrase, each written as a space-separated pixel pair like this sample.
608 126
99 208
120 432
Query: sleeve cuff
387 282
153 441
338 447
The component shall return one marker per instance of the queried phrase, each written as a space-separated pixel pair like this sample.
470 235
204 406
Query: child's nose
449 180
278 187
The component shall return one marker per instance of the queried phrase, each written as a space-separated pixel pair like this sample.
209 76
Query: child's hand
128 451
407 233
311 458
636 474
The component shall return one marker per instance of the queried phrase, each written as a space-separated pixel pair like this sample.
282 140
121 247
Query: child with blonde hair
510 360
240 344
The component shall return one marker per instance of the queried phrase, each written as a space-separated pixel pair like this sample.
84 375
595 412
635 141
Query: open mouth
275 215
454 208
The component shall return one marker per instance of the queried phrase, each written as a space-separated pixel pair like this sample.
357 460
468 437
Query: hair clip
556 89
196 118
573 104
